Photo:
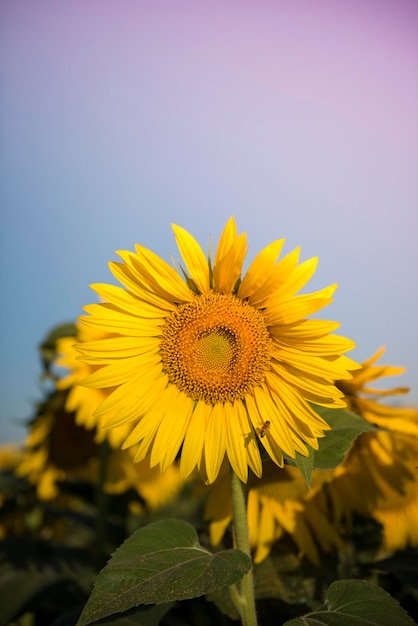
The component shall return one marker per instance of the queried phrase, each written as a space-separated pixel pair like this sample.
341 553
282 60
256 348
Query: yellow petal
227 270
106 350
215 442
275 278
172 429
260 268
297 307
298 278
159 276
226 240
235 443
273 449
194 258
328 345
278 427
303 330
110 320
194 439
129 279
126 301
121 371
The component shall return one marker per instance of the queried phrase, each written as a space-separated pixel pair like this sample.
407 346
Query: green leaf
142 616
48 346
305 465
356 603
345 428
161 563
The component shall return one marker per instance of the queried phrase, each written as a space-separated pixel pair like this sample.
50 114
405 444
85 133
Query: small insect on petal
264 429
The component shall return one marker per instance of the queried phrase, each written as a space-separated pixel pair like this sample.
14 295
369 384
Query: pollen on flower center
215 348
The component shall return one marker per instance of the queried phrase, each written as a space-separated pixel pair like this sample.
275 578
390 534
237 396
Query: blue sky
119 118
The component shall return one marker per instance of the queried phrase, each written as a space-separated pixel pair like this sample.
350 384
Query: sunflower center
215 348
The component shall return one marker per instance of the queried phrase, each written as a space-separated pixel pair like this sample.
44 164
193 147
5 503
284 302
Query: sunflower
365 400
378 478
279 505
206 360
56 448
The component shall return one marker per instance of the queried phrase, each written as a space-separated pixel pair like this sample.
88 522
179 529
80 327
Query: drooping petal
172 429
215 442
234 448
194 440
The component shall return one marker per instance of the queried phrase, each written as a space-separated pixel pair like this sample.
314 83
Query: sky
121 117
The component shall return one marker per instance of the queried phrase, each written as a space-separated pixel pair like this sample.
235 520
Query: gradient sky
118 118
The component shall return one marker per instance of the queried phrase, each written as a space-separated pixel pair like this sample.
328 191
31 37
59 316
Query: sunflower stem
246 602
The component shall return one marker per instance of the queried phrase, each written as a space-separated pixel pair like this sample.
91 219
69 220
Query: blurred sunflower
56 448
278 505
365 400
379 477
203 360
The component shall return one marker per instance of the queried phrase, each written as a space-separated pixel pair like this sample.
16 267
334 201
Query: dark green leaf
356 603
305 465
345 428
161 563
142 616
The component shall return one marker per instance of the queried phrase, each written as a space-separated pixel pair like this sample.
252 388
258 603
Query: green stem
239 507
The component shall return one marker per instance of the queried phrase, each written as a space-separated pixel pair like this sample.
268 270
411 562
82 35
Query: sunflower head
56 448
378 478
365 400
199 357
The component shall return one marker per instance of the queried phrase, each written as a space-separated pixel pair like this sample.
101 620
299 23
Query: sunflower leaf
48 347
161 563
345 428
305 464
355 603
141 616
